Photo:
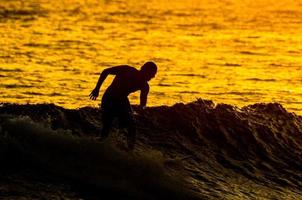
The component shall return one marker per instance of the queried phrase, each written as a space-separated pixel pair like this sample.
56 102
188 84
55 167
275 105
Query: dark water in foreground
192 151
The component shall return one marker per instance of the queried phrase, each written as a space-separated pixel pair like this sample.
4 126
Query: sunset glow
235 52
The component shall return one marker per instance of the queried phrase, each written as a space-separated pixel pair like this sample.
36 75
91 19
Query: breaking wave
187 151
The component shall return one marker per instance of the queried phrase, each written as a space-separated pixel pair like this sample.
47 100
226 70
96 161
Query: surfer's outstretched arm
112 70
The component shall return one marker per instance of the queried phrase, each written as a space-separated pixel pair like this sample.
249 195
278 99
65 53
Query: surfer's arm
112 70
144 95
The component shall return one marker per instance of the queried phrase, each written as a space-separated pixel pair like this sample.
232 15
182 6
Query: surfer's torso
126 81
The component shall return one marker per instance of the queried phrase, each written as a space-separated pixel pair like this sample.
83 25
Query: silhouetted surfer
115 102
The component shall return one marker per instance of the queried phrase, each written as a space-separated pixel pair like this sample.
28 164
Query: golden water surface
232 51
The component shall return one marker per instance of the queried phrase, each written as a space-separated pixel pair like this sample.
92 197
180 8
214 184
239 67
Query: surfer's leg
127 121
131 136
108 114
107 120
105 130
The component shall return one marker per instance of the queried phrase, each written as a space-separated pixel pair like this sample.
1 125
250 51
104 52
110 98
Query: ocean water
235 52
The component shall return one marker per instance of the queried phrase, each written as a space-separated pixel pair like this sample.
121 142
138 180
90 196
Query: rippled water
237 52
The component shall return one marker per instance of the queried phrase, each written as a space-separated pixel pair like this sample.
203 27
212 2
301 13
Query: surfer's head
149 70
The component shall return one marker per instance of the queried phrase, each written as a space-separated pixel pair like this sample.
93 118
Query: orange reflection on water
236 52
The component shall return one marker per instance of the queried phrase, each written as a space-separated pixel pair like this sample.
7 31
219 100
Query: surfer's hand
94 94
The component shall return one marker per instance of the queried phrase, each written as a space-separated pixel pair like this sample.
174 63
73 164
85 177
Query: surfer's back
127 80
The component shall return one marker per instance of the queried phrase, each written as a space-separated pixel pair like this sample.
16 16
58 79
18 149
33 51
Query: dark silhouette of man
115 102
